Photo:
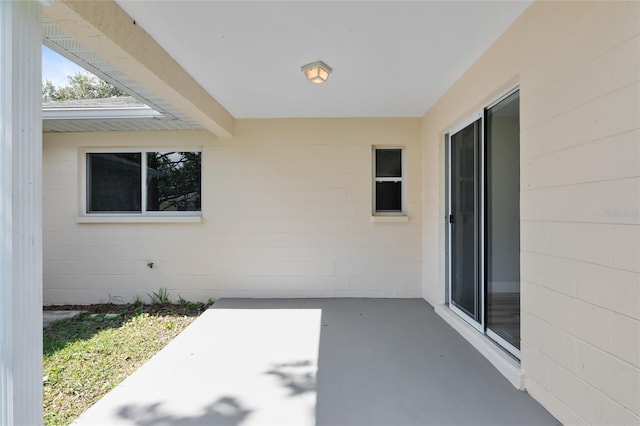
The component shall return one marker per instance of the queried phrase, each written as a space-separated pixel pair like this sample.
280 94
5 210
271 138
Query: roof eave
99 113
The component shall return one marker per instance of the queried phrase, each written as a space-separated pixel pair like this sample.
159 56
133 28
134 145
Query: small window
145 182
388 181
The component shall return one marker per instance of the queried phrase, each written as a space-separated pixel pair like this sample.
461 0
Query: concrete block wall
286 213
577 65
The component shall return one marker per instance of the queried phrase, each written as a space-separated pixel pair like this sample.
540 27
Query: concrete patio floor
317 362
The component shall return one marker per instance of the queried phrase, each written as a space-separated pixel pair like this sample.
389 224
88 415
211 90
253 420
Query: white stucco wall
577 65
286 213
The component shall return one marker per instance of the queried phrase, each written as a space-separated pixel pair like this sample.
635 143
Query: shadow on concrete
298 377
396 362
226 411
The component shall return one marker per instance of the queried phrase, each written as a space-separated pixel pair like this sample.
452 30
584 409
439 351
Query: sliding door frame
490 333
481 224
479 221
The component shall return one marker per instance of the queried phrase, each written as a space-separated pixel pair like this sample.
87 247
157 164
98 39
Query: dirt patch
189 309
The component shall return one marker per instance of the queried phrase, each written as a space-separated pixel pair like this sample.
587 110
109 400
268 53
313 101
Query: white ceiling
390 59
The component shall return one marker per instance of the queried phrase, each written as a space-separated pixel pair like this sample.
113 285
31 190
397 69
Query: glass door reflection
502 229
465 286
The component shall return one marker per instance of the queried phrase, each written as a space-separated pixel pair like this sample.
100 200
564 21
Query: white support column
20 213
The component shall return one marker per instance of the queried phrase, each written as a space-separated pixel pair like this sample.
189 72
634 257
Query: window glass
113 182
388 196
388 162
388 180
173 181
143 182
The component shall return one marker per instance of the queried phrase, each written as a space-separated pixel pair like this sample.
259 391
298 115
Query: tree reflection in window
173 181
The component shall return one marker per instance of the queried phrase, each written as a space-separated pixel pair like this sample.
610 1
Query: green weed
160 297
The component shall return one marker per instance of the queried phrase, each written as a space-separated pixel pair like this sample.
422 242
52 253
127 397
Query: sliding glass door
484 221
464 220
502 234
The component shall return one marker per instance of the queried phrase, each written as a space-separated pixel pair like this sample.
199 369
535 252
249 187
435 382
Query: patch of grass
87 356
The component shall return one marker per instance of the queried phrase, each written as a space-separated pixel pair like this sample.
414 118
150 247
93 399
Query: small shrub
183 302
191 306
137 304
160 297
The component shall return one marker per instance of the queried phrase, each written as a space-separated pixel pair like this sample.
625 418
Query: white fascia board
98 113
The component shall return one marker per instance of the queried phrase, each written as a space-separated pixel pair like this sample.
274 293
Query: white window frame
87 217
389 214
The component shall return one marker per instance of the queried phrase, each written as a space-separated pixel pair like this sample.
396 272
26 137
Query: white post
20 213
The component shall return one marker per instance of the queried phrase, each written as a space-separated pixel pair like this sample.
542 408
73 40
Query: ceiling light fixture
316 72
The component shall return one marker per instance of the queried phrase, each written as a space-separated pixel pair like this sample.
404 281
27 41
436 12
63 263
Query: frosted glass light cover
317 72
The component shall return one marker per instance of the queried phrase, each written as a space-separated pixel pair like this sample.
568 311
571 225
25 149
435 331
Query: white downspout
20 213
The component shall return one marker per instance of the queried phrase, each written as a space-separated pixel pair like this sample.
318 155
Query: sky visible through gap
56 68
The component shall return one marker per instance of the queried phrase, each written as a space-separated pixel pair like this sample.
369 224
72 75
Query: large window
388 181
144 182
